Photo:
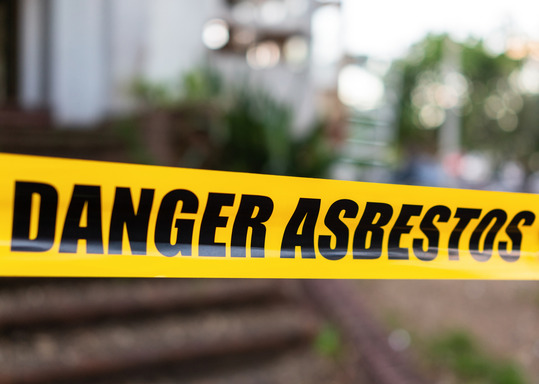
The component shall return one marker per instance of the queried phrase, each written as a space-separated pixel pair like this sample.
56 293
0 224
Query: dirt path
502 316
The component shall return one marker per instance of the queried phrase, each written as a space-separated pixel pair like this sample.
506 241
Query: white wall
174 42
79 61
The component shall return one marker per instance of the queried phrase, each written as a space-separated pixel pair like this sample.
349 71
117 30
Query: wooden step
104 348
79 300
15 118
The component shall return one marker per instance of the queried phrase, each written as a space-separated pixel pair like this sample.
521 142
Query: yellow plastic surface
397 259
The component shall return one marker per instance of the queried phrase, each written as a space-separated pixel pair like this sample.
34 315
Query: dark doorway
8 51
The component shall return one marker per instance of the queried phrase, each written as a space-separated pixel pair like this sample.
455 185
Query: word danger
86 202
381 226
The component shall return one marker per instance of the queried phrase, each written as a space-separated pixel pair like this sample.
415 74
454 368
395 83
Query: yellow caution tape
83 218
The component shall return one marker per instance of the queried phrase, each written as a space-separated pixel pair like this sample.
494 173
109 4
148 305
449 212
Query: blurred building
78 58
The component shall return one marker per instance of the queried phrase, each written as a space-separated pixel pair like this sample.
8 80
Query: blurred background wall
434 95
79 58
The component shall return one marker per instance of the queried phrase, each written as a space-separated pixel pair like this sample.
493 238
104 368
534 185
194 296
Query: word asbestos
178 224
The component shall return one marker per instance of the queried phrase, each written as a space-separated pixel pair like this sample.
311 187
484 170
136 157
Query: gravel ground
297 367
502 315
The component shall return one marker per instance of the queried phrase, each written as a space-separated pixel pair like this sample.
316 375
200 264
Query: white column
32 54
78 61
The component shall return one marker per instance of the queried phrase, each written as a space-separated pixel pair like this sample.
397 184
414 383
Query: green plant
259 139
127 129
328 341
202 84
495 116
247 129
152 94
311 155
257 133
458 352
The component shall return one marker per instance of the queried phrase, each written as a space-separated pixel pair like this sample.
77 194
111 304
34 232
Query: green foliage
458 352
328 341
199 85
202 84
250 130
259 139
258 134
126 128
153 94
424 56
485 75
311 156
